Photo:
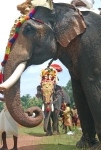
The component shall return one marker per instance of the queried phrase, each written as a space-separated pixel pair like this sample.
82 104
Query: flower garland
11 41
49 74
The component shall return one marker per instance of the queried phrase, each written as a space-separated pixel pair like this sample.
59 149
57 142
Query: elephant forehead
47 88
49 84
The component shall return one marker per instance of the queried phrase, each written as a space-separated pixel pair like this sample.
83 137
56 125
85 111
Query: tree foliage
68 89
28 101
1 105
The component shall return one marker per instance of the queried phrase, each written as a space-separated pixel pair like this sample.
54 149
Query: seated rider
85 5
82 5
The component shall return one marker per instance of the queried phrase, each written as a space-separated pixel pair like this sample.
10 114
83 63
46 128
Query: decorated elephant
60 33
59 97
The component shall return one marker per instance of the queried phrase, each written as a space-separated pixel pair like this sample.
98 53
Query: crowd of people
69 117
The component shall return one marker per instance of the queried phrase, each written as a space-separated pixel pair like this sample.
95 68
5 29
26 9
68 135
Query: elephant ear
68 24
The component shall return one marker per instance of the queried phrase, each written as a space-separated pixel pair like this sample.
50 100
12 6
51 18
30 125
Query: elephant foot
14 149
3 148
48 134
97 146
56 133
86 143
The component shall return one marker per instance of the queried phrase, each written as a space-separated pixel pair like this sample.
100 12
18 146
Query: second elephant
59 96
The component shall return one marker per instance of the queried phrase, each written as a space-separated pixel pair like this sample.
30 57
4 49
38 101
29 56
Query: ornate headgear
49 74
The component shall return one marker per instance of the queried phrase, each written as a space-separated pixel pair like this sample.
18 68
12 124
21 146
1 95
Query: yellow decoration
47 89
49 74
7 50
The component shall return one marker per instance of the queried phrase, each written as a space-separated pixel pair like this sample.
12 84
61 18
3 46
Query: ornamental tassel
48 109
43 108
52 107
1 77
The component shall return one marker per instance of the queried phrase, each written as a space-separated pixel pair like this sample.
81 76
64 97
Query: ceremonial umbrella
57 67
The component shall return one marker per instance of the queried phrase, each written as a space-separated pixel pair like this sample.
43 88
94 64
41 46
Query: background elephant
61 33
59 97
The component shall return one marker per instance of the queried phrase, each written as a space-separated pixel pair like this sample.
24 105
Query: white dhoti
7 124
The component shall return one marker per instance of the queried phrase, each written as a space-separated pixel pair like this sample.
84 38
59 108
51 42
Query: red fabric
6 57
18 24
1 78
57 67
74 120
48 109
15 35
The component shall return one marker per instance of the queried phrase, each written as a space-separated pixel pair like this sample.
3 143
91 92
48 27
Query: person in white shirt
8 127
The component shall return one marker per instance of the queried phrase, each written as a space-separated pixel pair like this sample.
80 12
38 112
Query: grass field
54 142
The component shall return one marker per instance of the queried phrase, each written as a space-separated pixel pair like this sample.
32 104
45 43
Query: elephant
59 98
75 39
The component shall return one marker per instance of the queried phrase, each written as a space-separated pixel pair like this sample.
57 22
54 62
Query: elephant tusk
14 77
43 108
52 107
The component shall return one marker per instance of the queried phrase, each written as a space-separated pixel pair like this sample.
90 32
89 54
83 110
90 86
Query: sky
31 77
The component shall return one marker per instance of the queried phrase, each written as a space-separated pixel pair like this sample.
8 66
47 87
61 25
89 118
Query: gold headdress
48 80
49 74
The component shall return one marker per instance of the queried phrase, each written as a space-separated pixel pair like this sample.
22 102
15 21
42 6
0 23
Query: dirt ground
25 142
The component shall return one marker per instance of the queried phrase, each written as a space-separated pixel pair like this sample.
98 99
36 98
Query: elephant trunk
46 120
12 97
47 112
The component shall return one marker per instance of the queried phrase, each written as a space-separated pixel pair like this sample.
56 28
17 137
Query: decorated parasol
57 67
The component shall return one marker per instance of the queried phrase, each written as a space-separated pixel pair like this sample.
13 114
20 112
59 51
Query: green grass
54 142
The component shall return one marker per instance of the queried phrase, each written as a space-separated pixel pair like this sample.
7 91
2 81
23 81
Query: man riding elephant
82 5
85 5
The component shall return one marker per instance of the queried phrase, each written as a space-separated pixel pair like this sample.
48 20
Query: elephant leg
58 132
87 123
55 122
65 129
93 94
49 128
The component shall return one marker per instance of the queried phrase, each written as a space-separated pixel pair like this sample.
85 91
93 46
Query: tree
25 98
68 89
28 101
25 101
1 105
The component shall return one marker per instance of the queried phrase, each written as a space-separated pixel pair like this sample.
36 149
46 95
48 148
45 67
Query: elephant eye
29 30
